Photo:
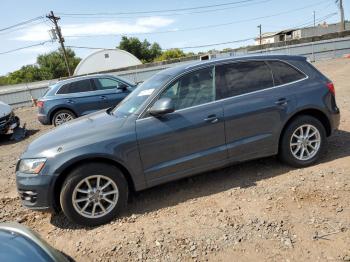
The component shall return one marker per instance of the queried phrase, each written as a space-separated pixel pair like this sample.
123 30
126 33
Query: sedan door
189 140
112 91
254 109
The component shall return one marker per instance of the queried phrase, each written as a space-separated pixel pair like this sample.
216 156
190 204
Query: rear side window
77 87
284 73
241 78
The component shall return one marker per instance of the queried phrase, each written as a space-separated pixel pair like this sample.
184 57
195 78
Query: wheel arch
57 187
316 113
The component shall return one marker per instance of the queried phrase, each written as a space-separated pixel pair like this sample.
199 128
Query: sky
100 23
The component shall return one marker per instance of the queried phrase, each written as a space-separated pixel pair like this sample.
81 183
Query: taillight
40 103
331 88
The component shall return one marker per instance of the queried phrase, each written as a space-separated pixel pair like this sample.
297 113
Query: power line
208 26
24 47
23 27
165 15
158 11
22 23
200 46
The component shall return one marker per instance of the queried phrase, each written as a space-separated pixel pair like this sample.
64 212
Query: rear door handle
282 102
212 119
70 101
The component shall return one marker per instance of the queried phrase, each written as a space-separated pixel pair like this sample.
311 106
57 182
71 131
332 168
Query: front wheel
93 194
303 142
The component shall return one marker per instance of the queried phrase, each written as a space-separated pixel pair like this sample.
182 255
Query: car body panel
19 243
182 137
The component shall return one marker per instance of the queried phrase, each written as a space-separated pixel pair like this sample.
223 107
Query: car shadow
6 139
242 175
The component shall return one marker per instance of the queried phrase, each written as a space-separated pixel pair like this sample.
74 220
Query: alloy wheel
305 142
62 118
95 196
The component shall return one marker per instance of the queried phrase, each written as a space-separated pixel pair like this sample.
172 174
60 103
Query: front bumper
35 191
8 123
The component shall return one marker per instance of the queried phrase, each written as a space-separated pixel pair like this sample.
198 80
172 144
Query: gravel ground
261 210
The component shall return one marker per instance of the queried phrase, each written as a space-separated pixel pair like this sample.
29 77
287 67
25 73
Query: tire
290 143
62 116
77 180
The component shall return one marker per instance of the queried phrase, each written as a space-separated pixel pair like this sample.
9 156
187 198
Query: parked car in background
182 121
18 243
75 97
8 120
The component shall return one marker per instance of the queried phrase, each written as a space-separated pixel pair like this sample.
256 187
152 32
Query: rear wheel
62 116
303 142
94 194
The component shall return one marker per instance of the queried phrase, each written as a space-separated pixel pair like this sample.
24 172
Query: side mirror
161 107
122 86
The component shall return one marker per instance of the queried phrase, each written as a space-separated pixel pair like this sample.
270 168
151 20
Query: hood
5 109
83 131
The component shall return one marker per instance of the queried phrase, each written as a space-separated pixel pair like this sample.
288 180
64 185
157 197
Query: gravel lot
261 210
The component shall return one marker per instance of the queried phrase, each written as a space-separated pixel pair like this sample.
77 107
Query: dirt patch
259 210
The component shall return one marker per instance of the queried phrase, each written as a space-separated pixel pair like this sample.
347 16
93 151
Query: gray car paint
157 150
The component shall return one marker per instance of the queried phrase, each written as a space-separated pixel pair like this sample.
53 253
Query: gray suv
182 121
79 96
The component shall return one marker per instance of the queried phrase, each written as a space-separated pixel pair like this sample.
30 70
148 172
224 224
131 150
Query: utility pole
342 19
312 42
259 26
54 20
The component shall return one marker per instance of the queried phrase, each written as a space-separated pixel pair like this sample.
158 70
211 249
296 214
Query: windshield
134 101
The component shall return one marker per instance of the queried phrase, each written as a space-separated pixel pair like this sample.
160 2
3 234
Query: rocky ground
259 210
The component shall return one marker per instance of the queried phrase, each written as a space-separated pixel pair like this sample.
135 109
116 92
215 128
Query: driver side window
193 89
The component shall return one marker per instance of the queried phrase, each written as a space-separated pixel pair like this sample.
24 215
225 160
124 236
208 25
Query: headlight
31 166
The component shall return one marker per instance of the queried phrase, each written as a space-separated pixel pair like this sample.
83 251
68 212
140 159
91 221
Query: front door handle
103 97
282 102
212 119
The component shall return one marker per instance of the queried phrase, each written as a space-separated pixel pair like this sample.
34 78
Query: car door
189 140
254 109
111 90
81 96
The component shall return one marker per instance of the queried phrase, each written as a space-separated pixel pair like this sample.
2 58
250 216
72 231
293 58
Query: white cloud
141 25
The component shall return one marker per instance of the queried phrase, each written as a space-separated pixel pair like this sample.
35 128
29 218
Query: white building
104 60
298 33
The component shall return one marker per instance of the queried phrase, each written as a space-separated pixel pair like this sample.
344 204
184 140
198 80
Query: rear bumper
43 119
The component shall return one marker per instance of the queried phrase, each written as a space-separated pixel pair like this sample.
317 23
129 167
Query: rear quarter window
284 73
77 87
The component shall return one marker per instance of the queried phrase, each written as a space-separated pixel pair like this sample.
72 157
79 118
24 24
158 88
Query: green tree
171 54
53 65
145 51
28 73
